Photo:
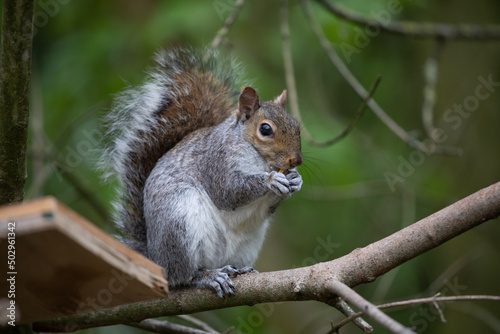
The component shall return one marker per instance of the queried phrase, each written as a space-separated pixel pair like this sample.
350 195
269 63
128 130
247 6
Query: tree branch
378 258
221 34
292 89
340 289
309 283
15 69
289 70
428 300
362 92
418 29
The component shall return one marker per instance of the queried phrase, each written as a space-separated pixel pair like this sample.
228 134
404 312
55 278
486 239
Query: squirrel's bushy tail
185 90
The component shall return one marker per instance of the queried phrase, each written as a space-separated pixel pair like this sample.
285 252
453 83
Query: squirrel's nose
295 160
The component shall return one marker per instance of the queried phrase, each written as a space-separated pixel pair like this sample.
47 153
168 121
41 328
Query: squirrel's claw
232 271
278 183
222 285
219 279
247 270
215 279
295 181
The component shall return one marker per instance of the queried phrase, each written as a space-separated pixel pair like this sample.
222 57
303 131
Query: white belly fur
220 237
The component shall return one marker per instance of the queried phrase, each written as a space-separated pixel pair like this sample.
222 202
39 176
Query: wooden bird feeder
63 264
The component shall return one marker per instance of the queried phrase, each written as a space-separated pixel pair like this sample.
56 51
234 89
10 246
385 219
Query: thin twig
292 88
438 309
431 73
427 300
418 29
368 308
166 327
195 321
41 178
74 180
362 92
221 34
289 71
229 330
357 115
76 122
346 310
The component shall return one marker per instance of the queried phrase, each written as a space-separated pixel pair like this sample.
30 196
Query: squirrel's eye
265 130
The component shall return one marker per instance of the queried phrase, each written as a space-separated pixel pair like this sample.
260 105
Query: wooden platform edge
131 262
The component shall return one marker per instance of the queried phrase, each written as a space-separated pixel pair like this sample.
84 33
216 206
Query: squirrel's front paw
295 181
278 183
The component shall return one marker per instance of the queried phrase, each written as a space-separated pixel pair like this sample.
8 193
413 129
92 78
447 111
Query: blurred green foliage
86 51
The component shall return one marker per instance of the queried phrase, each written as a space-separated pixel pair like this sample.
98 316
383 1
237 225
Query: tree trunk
15 69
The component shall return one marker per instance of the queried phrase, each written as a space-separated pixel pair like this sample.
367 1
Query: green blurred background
86 51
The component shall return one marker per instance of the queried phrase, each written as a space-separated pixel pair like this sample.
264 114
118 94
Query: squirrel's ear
281 100
248 102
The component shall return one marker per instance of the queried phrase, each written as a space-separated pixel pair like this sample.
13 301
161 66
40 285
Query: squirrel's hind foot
219 279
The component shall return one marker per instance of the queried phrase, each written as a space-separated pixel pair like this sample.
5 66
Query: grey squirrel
203 166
